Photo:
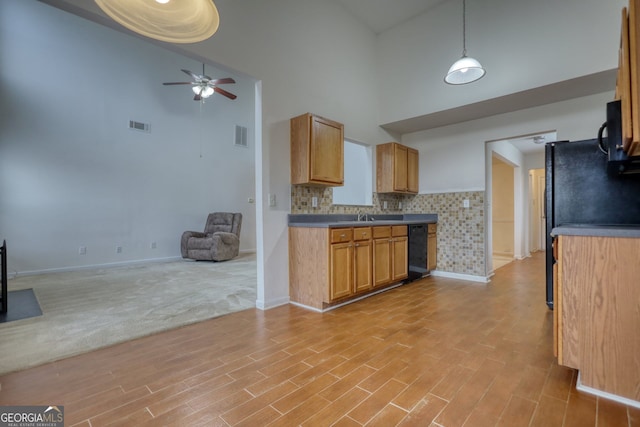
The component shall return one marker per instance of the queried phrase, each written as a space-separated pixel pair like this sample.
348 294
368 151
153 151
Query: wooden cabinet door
362 254
412 170
326 151
400 247
400 168
381 261
341 270
432 250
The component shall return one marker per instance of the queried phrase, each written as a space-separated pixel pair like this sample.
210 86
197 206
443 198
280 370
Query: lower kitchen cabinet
596 315
381 255
341 267
362 259
399 250
432 246
330 265
390 251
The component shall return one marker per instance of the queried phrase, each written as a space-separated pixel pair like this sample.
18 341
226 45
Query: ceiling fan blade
222 81
195 76
177 83
224 92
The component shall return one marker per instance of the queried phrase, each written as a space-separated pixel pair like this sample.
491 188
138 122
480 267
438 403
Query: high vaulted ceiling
380 15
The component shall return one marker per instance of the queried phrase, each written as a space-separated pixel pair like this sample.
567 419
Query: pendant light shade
464 70
173 21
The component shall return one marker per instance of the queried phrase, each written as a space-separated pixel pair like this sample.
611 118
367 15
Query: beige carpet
88 309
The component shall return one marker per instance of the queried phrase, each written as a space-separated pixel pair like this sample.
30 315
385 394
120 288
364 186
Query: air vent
142 127
241 136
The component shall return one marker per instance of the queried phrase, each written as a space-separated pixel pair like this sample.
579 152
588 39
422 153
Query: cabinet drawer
381 231
432 228
341 235
362 233
399 230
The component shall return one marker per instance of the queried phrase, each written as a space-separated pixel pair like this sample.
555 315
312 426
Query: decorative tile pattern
461 242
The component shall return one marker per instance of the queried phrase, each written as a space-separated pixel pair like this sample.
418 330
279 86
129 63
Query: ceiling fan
204 86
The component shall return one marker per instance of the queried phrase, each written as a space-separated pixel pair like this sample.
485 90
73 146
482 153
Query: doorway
503 216
522 154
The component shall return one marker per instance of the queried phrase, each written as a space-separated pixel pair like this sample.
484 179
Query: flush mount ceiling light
464 70
173 21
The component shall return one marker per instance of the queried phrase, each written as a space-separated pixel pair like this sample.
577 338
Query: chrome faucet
362 216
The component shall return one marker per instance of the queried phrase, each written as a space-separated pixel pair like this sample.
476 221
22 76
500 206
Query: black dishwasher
417 251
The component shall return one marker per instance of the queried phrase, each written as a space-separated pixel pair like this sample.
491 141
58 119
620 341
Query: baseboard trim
605 395
266 305
342 304
459 276
91 266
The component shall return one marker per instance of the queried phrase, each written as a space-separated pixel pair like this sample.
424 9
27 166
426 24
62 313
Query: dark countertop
350 220
598 230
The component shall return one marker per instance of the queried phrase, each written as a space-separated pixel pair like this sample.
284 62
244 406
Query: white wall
521 44
71 172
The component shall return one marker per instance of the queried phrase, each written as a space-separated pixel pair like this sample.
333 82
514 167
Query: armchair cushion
220 240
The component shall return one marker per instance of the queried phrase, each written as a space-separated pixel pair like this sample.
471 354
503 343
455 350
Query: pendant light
466 69
173 21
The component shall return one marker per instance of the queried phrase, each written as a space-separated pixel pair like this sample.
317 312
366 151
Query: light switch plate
272 199
314 202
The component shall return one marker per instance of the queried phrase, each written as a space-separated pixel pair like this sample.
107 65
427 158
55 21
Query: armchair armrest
225 246
226 238
185 238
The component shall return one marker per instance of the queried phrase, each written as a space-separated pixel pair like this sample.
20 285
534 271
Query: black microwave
618 162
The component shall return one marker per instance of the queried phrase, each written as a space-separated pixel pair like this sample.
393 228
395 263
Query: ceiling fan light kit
204 86
173 21
466 69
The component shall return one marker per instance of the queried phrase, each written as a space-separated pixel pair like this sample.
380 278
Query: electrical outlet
465 203
250 200
118 249
153 245
272 199
82 250
314 202
384 205
399 205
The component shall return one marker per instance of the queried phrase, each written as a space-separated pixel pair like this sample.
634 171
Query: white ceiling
380 15
533 143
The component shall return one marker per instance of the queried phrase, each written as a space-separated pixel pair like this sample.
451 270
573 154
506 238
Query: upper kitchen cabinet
397 169
317 151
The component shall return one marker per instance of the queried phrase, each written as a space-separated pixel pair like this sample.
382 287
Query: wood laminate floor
437 352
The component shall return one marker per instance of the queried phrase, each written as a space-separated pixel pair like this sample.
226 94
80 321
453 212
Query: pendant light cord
464 28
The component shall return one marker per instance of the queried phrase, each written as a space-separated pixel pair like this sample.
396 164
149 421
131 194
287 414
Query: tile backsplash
461 243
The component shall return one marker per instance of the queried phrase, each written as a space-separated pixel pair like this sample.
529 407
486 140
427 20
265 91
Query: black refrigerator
580 190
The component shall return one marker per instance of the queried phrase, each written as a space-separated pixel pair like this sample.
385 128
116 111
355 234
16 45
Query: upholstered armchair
219 242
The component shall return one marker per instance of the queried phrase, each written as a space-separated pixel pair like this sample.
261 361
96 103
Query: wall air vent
142 127
241 136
